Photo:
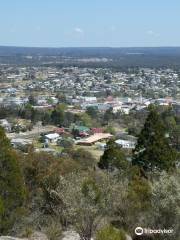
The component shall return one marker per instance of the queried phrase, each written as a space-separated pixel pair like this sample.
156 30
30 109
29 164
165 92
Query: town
89 120
81 94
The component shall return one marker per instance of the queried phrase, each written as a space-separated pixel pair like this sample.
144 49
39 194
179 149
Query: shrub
110 233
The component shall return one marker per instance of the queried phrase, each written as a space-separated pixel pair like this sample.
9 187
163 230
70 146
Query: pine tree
153 150
113 157
12 190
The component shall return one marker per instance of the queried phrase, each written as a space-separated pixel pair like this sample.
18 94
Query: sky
90 23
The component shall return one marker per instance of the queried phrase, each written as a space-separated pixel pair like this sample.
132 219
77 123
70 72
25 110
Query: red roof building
59 130
96 130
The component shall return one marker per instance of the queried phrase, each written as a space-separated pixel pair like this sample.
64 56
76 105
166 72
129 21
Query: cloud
78 30
152 33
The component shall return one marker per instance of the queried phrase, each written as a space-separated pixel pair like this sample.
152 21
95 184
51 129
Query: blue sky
93 23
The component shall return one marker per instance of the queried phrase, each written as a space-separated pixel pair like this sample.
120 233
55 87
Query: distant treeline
118 57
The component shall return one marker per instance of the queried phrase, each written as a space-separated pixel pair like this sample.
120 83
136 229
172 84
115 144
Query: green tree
69 119
109 115
110 129
32 100
12 190
92 112
113 157
153 150
66 143
46 118
58 115
175 137
34 116
86 120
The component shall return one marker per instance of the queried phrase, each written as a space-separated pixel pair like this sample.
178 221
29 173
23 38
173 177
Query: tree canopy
12 190
113 157
153 149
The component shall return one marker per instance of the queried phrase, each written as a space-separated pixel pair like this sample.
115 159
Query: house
83 134
52 137
81 129
94 138
97 130
60 130
126 143
21 143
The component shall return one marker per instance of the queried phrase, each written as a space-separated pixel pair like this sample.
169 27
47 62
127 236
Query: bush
110 233
12 190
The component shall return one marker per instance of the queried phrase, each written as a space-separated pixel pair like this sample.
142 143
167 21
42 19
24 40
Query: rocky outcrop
34 236
72 235
68 235
11 238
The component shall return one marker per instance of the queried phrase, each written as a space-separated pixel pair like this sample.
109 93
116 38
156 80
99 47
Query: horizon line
59 47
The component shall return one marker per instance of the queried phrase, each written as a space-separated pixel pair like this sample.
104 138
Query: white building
52 137
126 144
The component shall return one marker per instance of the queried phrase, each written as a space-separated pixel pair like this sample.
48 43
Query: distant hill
90 51
147 57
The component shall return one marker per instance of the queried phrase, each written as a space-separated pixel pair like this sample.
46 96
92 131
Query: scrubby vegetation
104 200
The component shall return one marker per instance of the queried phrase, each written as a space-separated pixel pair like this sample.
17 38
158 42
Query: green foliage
139 194
92 112
84 158
113 157
1 209
175 137
69 119
66 143
91 191
12 190
46 118
84 199
85 119
153 150
110 129
61 97
58 114
165 200
110 233
42 167
54 231
109 115
32 100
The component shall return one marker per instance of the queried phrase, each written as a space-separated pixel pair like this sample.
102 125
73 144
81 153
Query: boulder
11 238
38 236
70 235
34 236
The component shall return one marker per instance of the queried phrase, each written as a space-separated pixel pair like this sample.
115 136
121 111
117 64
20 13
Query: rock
11 238
70 235
34 236
38 236
128 237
